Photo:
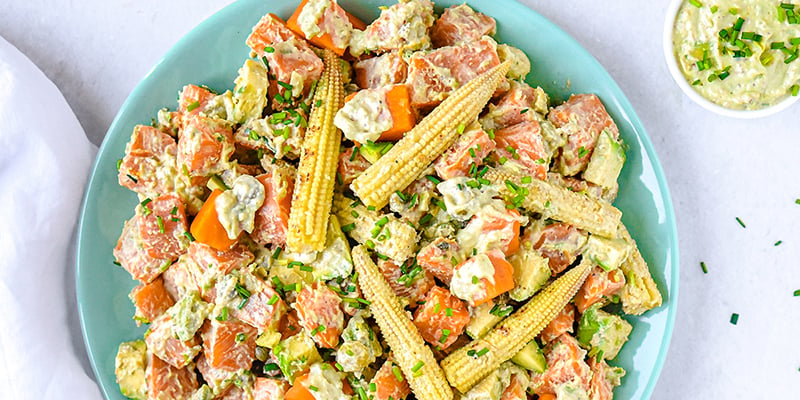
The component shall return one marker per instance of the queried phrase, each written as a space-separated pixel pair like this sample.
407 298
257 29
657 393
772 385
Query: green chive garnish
703 267
740 222
734 318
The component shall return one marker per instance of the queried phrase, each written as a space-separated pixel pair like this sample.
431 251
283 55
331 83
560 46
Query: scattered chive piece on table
778 243
797 293
734 318
740 222
703 266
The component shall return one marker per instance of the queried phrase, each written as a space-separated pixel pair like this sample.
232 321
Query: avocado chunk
609 254
295 354
606 162
129 367
373 151
602 333
483 319
188 315
531 272
531 358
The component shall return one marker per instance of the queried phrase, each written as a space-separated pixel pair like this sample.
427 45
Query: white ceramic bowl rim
677 75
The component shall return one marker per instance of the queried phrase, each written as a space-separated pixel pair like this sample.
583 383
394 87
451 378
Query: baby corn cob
560 203
383 232
427 140
471 363
311 201
410 351
640 292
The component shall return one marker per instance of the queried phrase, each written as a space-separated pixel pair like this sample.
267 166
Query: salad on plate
378 211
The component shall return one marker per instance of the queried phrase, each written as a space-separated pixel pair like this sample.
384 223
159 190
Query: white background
718 169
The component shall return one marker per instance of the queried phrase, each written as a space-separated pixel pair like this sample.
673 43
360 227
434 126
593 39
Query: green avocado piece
129 367
373 151
602 333
606 162
531 358
295 354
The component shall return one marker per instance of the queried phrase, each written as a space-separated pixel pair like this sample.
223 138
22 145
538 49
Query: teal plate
212 53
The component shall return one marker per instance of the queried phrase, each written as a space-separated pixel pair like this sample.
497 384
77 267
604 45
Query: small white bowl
677 75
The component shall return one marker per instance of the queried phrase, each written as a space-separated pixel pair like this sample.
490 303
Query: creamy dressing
310 15
468 281
463 201
325 383
365 116
476 236
747 83
236 208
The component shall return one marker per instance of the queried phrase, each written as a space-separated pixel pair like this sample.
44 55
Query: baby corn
640 292
559 203
410 351
311 201
427 140
471 363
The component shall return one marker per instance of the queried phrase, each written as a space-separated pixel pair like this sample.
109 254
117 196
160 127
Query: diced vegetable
295 355
599 286
206 227
531 358
531 272
602 333
129 367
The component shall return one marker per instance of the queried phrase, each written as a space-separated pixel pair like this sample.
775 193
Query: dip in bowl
738 58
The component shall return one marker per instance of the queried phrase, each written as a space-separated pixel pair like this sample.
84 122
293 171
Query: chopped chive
778 243
272 300
482 352
349 227
794 41
192 106
373 387
714 9
397 374
119 164
188 236
448 311
436 308
313 388
524 110
269 49
446 333
433 179
132 178
460 128
403 197
703 267
740 222
795 89
160 222
526 179
223 316
277 253
339 366
294 263
306 268
417 366
734 318
696 3
475 280
797 293
776 45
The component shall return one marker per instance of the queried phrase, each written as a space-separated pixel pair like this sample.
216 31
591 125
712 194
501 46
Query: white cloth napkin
45 160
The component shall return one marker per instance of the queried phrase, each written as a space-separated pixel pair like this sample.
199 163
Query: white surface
718 168
43 189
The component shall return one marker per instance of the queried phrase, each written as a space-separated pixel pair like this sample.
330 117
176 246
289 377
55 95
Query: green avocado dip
739 54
